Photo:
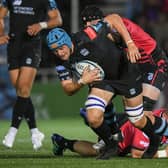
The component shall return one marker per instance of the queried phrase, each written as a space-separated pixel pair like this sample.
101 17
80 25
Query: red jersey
141 39
133 138
159 112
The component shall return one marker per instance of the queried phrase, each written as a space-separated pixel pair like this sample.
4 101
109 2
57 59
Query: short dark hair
90 13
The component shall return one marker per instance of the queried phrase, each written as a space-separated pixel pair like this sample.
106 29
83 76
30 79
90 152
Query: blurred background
48 97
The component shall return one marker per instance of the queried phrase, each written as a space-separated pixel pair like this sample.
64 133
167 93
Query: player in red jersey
153 62
134 142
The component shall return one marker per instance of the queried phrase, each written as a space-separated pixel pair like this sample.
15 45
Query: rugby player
121 78
153 62
134 141
27 19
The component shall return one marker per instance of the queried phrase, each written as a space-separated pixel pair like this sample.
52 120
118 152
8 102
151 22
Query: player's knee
23 90
135 114
94 118
95 107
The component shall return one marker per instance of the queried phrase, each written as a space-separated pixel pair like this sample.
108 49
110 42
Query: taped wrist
43 25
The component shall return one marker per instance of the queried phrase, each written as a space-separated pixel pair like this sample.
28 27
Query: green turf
23 156
51 98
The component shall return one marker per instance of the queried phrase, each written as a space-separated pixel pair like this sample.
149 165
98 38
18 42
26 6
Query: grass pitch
23 156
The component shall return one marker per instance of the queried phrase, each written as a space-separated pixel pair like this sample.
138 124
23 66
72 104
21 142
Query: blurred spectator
164 6
152 9
7 92
165 45
133 8
142 21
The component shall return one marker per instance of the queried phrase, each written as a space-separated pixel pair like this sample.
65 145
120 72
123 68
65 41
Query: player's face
92 22
63 52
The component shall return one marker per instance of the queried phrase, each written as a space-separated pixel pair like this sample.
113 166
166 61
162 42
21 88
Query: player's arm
3 38
135 153
71 86
162 153
116 22
54 20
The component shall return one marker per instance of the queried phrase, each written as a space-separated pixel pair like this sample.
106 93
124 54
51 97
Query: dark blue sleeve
5 3
52 4
63 73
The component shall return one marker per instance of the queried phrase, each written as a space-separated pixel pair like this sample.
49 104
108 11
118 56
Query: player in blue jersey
121 77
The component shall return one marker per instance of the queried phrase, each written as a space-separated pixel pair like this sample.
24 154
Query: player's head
91 13
60 43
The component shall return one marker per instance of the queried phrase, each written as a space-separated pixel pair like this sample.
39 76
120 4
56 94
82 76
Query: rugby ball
81 65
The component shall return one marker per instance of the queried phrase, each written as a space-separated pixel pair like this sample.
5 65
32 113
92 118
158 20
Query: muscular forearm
55 20
71 87
116 22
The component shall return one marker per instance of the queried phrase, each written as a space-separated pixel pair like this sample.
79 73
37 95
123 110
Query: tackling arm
116 22
55 19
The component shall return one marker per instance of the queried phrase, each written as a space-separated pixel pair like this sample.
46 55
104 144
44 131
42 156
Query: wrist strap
129 41
81 82
162 154
43 25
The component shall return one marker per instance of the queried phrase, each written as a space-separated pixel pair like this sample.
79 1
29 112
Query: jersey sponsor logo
18 9
84 52
17 2
145 144
90 32
23 10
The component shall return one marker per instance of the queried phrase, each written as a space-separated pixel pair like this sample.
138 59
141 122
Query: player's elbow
59 21
68 92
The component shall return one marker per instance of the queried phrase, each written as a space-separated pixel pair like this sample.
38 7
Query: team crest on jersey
84 52
28 61
132 91
17 2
